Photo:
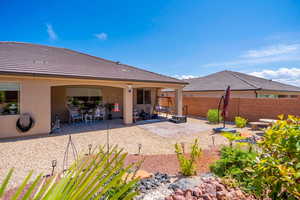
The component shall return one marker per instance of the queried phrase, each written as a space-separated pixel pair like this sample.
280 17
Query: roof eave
87 77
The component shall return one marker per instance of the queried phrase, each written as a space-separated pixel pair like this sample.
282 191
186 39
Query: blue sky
172 37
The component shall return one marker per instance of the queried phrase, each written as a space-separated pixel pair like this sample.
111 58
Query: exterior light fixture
53 164
90 148
129 88
139 148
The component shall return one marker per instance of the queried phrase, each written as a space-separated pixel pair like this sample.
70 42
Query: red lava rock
212 189
206 197
221 195
220 187
179 192
188 194
178 197
197 192
169 198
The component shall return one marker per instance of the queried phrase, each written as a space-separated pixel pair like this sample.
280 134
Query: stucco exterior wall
35 100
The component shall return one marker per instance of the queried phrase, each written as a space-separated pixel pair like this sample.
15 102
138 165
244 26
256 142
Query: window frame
144 102
18 96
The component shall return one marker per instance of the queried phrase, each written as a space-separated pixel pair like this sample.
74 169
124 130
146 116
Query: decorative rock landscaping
204 187
211 188
153 182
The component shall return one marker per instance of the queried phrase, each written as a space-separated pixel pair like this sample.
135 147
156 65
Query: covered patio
81 108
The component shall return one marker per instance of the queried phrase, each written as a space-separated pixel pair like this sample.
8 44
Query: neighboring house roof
237 81
33 59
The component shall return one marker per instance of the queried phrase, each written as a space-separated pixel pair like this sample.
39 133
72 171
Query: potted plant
13 108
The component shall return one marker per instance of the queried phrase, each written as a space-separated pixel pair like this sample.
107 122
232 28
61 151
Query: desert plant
212 116
240 122
100 176
188 164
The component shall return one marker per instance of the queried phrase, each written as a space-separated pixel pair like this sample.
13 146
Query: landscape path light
53 164
90 148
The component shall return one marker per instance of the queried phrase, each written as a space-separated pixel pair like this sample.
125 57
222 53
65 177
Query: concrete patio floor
156 138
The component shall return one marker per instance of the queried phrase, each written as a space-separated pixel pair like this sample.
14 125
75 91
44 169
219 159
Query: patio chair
89 117
74 115
135 114
99 113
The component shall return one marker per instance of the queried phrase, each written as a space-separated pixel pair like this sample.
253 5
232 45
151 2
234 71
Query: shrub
240 122
278 166
274 171
236 163
96 177
212 116
188 165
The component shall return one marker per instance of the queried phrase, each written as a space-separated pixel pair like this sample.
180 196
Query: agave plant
100 176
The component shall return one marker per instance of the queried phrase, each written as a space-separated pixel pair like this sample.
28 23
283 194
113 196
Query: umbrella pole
222 98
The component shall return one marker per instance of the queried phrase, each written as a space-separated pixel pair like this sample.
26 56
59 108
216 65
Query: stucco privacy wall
35 100
252 109
234 94
109 95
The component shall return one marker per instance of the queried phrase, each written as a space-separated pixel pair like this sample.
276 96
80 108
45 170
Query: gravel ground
169 163
37 153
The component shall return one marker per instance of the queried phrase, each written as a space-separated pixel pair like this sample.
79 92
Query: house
242 86
41 80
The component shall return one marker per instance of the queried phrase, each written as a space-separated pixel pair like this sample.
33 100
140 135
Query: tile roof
237 81
33 59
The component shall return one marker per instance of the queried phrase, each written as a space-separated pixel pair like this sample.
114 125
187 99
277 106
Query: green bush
236 163
273 171
240 122
212 116
96 177
278 166
188 165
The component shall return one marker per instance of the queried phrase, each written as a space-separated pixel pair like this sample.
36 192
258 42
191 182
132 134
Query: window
143 96
9 98
273 96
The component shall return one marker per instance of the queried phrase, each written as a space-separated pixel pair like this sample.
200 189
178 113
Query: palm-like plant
100 176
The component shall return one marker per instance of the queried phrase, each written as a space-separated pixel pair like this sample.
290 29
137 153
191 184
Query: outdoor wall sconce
129 88
53 164
90 148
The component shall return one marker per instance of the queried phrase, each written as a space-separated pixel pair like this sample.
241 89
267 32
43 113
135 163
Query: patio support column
128 105
178 101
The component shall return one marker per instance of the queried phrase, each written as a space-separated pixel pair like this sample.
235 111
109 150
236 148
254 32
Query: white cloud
184 76
272 51
268 54
284 75
101 36
51 33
